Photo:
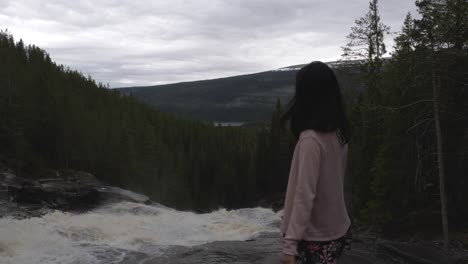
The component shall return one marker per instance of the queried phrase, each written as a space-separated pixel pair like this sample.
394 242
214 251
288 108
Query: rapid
112 232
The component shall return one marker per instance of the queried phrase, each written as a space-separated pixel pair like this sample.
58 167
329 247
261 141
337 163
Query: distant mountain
241 98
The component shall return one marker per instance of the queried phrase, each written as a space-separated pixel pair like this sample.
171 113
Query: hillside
241 98
54 120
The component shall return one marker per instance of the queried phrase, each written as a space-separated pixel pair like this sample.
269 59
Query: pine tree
366 45
432 38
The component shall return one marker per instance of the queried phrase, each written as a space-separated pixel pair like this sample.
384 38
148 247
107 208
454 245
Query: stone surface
267 249
70 191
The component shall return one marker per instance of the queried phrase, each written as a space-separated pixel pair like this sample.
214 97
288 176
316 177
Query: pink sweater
315 208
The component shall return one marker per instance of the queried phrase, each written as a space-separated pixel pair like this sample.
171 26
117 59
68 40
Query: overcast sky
128 43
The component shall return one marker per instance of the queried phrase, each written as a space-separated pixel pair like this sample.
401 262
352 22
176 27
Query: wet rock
420 252
266 249
70 191
274 201
116 194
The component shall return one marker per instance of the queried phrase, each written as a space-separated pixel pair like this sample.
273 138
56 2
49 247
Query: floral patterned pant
323 252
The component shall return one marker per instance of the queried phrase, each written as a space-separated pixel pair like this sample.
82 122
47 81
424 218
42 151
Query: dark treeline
52 117
397 156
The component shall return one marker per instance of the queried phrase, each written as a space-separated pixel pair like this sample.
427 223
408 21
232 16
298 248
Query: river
124 232
133 230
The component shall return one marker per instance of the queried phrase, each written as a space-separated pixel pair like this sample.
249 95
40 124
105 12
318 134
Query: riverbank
74 218
266 249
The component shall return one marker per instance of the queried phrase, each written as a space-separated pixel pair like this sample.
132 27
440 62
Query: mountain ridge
240 98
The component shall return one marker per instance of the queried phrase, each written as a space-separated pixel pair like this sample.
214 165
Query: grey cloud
151 42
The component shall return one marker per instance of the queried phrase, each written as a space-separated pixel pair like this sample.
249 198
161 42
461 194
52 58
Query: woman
315 224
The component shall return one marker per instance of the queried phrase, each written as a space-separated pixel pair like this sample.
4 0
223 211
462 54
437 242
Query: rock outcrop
67 191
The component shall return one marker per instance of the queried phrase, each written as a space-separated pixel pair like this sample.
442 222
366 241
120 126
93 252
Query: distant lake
228 123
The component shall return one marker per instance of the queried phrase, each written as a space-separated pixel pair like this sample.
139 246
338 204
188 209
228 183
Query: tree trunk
440 158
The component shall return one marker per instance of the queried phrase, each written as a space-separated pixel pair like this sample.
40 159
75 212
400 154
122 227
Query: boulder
69 191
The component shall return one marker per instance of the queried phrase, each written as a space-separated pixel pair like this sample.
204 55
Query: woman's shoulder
314 134
321 138
309 137
308 133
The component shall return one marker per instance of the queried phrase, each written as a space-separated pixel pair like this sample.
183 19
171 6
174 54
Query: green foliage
366 46
54 117
393 151
275 146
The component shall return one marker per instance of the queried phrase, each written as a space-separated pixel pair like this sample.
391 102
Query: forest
408 151
53 117
410 126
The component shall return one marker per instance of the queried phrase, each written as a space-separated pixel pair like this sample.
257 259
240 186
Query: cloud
152 42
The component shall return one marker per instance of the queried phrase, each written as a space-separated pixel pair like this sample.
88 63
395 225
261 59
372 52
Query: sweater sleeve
308 167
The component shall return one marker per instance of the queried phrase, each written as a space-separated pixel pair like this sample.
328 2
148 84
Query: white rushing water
108 233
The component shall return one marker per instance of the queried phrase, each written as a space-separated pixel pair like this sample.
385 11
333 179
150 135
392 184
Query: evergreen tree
366 45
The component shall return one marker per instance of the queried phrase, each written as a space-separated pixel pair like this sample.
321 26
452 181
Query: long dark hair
317 103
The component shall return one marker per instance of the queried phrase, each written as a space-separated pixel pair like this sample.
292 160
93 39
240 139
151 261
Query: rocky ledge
69 190
266 249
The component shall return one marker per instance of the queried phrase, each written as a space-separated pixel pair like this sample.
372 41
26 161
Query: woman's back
329 215
315 189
